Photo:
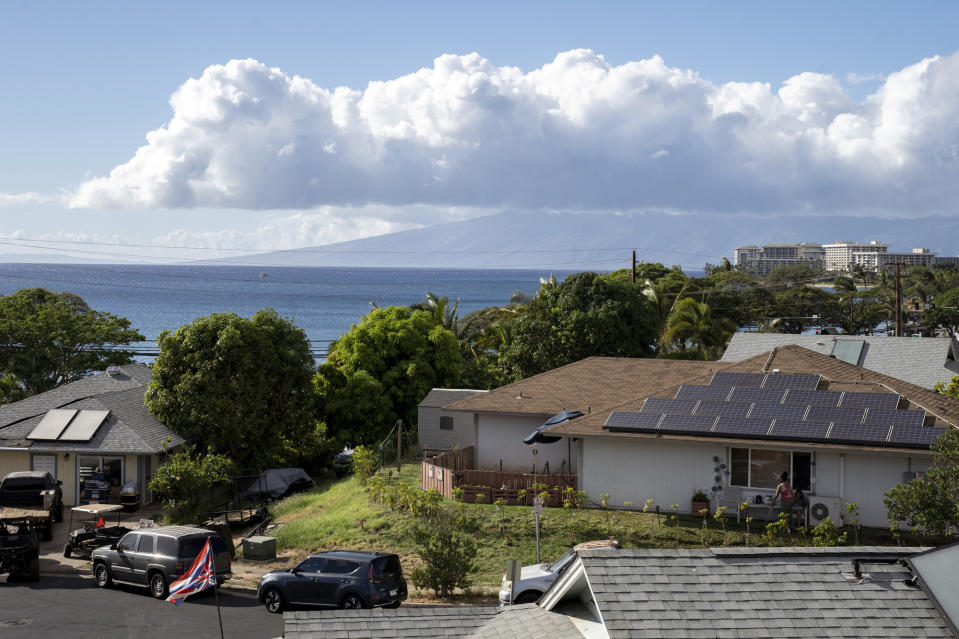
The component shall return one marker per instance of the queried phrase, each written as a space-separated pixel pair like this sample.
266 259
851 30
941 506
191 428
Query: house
438 429
661 429
96 425
859 591
923 361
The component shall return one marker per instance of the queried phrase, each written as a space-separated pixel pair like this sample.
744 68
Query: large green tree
692 329
238 386
47 339
587 314
395 353
931 502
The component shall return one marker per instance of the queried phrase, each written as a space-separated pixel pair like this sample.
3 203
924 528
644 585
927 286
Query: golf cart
82 541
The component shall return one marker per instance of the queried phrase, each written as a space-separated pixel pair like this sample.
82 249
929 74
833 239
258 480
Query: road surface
72 606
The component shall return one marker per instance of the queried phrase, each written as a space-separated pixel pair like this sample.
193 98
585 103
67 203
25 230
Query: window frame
749 463
447 422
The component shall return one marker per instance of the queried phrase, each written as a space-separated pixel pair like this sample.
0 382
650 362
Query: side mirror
59 482
113 546
295 571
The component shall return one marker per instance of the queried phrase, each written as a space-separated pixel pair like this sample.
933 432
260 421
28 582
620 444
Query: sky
161 130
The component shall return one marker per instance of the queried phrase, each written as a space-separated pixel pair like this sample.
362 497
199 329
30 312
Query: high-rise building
840 256
762 260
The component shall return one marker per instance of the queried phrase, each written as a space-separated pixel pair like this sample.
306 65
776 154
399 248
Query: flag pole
216 594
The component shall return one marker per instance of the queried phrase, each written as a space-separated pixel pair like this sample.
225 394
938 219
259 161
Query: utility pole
898 300
399 444
634 266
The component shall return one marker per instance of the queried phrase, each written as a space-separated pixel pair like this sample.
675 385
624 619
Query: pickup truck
536 579
37 492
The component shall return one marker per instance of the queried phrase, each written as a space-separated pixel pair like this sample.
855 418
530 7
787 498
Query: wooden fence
454 469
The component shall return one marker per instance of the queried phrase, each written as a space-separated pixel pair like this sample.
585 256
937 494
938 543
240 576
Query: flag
200 576
100 523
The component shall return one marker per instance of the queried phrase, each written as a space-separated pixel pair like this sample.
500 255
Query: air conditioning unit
821 508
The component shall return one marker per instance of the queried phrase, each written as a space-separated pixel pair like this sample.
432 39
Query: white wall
501 438
633 470
668 472
430 435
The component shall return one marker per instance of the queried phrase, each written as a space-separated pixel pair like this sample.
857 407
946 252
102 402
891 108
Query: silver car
536 579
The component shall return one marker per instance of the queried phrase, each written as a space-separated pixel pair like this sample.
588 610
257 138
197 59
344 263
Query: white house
661 429
439 429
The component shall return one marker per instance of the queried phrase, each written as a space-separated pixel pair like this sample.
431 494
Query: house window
446 423
761 468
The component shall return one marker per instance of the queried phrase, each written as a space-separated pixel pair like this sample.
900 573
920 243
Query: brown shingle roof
589 385
598 385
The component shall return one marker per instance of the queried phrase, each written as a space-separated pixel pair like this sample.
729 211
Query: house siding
500 438
430 434
669 472
67 473
13 461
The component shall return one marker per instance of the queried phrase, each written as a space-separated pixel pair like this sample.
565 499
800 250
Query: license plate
393 593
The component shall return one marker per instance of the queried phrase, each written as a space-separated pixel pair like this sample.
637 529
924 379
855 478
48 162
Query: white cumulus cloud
575 134
21 199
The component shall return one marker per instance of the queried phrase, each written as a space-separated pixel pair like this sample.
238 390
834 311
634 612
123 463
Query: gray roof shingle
805 592
440 397
129 429
418 621
922 361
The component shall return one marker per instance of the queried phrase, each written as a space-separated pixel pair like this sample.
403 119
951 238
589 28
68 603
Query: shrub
449 556
827 534
182 479
365 462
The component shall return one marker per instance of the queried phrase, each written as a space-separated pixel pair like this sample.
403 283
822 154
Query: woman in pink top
784 492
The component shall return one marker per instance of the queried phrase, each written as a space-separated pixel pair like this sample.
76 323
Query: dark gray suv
337 579
156 557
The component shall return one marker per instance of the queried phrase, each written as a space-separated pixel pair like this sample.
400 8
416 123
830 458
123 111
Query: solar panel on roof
84 426
895 417
692 424
870 400
711 393
915 436
667 405
778 411
800 382
794 429
757 395
627 421
737 379
858 433
737 427
849 414
814 397
53 423
848 350
726 409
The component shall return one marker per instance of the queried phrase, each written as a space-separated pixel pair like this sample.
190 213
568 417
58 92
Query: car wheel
102 574
273 600
351 601
35 569
67 550
158 586
46 534
528 596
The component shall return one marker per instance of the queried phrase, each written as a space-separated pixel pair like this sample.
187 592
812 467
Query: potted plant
700 501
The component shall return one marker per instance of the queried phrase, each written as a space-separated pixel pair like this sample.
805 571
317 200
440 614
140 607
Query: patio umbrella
538 436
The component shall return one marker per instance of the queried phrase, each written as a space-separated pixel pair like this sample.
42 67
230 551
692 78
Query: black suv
156 557
338 579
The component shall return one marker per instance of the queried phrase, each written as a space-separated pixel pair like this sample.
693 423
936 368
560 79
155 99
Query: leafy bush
365 462
827 534
180 482
449 556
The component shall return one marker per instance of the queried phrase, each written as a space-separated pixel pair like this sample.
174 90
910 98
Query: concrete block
259 548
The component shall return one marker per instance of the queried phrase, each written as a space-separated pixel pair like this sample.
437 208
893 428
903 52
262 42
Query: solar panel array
68 424
711 393
779 407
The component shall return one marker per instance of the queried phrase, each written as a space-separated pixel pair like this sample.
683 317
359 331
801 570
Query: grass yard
340 515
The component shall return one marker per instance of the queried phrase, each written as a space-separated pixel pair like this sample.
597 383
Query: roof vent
520 396
775 370
113 371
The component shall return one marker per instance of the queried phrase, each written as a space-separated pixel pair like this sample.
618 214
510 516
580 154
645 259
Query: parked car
343 462
336 579
156 557
35 490
536 579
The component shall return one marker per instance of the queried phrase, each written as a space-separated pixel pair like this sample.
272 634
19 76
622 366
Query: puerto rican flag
200 576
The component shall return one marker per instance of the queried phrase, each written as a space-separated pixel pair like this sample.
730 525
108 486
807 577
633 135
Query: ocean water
323 301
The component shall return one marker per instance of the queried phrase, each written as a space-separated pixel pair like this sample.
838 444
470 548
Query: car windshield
387 568
25 484
562 562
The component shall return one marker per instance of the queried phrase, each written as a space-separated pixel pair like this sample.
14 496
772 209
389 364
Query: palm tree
847 290
661 301
691 326
439 308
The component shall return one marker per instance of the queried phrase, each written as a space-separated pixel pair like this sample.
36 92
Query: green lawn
338 514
